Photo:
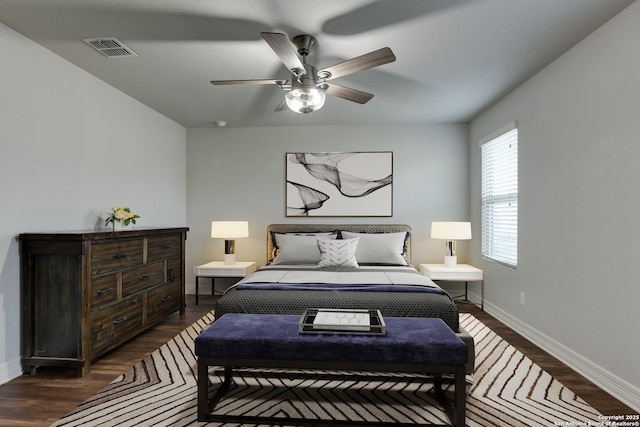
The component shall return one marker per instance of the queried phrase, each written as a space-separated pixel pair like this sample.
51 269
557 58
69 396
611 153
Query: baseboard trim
10 370
612 384
205 286
203 289
191 289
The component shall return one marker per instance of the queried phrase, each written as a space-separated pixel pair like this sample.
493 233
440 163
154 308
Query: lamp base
450 261
229 259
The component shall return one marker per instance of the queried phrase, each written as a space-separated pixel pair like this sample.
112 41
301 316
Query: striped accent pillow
338 253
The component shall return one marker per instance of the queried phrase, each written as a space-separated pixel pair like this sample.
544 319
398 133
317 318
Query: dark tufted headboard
356 228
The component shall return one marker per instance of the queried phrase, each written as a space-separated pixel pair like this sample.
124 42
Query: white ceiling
455 58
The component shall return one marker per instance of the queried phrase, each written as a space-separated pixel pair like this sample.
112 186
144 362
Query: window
500 196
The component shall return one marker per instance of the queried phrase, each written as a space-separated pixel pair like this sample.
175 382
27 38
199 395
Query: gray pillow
338 253
379 248
297 249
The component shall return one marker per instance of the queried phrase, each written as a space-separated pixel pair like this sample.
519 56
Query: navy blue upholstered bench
413 345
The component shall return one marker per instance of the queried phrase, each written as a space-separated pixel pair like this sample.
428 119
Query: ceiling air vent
110 47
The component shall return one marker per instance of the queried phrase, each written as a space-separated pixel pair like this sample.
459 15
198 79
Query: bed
355 266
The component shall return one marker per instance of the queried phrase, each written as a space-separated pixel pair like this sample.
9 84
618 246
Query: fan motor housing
304 43
308 79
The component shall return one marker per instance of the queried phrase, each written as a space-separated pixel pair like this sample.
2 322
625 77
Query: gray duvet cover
395 291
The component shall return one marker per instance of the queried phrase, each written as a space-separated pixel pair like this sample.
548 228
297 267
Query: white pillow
338 253
379 248
295 249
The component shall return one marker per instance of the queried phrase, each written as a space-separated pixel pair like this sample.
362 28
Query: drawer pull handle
119 256
120 320
146 277
105 291
165 299
171 274
165 247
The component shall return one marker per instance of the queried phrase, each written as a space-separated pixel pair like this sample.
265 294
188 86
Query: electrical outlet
522 299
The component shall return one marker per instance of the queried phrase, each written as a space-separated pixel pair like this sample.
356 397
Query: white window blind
500 196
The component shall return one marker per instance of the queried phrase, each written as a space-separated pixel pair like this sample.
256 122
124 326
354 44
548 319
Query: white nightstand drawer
461 272
220 269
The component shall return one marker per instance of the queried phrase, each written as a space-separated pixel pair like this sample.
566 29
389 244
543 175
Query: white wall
579 151
240 174
71 147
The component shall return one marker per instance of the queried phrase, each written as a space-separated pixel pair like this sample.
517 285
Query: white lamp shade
451 230
229 229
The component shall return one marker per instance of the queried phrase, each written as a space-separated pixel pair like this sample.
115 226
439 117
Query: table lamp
450 232
229 230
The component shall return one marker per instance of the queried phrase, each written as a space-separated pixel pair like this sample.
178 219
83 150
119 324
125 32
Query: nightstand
459 273
218 269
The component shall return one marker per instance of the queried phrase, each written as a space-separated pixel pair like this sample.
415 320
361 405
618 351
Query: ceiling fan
307 88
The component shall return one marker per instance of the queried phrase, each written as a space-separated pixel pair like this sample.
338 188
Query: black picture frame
339 184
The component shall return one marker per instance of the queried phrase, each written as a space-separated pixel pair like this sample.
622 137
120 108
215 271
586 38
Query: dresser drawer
103 290
141 278
114 324
163 301
106 257
163 247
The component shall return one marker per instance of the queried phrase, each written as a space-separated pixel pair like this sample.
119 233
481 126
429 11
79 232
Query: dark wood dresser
84 293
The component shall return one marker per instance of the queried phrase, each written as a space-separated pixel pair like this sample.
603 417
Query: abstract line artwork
339 184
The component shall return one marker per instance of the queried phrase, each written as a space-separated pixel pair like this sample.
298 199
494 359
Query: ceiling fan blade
284 49
380 14
249 82
363 62
282 106
348 93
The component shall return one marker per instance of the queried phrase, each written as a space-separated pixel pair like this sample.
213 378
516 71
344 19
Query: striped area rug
507 389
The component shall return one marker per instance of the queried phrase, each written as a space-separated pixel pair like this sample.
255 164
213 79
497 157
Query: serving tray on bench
342 321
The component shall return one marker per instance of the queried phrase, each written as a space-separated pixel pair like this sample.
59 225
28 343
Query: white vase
119 226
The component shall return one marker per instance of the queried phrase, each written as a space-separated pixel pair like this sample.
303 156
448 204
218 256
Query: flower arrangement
121 215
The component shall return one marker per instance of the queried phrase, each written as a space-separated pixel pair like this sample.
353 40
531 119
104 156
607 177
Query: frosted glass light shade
305 99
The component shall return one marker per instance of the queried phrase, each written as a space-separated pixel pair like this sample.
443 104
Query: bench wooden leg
455 412
437 383
203 390
228 374
206 405
460 397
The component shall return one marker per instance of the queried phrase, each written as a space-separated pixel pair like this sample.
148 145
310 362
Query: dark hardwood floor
41 399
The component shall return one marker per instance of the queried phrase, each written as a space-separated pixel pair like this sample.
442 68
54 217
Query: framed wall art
339 184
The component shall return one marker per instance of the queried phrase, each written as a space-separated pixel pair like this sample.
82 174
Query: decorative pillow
275 237
299 249
338 253
379 248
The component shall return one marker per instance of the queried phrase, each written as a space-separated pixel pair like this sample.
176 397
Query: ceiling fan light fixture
305 99
305 92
